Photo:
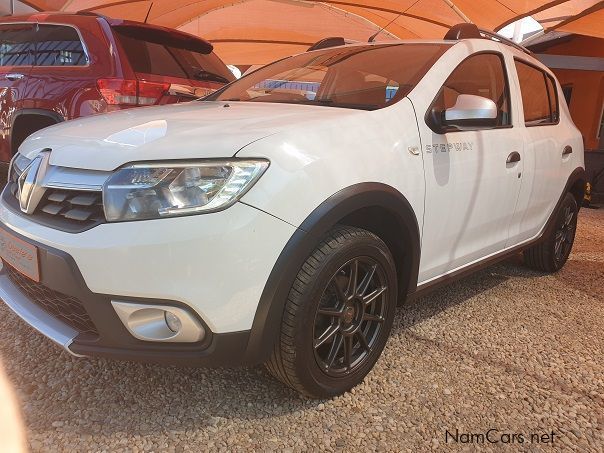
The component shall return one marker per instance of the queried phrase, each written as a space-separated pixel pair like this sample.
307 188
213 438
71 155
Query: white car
283 219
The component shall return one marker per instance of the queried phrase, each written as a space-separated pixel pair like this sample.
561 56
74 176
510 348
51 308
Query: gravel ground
507 349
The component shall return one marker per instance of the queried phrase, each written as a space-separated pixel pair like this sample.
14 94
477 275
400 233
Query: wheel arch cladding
376 207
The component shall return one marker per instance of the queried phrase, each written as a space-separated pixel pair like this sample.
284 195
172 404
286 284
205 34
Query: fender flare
267 320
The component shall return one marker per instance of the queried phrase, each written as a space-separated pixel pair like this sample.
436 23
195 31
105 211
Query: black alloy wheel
565 234
338 314
552 252
350 316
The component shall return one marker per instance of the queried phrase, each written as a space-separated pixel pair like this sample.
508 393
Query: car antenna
148 12
372 37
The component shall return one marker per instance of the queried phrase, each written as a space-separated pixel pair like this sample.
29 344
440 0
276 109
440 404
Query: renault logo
30 190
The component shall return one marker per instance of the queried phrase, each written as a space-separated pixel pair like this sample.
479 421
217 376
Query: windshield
357 77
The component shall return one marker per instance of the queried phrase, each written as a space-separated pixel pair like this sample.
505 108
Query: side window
479 75
57 45
539 95
16 45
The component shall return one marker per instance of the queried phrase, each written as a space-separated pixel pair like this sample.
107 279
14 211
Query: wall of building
587 99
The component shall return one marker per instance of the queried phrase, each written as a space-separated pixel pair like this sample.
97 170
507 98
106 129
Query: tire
323 314
551 253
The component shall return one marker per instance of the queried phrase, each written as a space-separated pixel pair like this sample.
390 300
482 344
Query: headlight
151 191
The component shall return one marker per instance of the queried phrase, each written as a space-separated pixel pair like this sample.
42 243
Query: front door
473 177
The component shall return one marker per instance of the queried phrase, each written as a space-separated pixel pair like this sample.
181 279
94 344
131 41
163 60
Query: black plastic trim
267 321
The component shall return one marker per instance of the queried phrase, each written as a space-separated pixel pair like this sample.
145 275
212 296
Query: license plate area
20 255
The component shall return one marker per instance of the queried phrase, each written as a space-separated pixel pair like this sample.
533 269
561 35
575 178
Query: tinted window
479 75
539 97
359 77
57 45
151 56
16 45
553 98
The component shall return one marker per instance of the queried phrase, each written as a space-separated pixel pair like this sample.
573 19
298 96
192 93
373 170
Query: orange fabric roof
258 31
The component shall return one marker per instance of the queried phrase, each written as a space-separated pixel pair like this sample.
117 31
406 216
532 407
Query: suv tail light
131 92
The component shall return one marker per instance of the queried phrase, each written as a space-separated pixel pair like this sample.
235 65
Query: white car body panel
315 163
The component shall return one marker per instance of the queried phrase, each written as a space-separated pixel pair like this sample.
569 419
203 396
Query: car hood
182 131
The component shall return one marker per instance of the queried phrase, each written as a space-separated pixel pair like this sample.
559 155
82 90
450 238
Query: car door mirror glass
471 112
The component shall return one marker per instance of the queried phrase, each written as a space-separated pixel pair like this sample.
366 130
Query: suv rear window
16 45
58 45
148 53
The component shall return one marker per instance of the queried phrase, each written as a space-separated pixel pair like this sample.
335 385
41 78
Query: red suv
55 67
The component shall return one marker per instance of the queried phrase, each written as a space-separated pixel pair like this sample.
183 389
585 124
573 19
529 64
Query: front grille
63 209
66 308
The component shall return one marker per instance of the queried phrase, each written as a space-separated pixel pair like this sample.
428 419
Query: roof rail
325 43
471 31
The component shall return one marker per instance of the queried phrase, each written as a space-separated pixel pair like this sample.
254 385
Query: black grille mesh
66 308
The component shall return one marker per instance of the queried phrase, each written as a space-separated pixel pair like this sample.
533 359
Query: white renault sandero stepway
282 220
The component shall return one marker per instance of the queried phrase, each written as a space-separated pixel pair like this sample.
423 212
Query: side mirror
471 112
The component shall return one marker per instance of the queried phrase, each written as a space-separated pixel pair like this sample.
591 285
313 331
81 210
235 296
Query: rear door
547 163
188 69
16 59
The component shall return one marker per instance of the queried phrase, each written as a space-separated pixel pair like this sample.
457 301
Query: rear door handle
14 76
567 150
513 157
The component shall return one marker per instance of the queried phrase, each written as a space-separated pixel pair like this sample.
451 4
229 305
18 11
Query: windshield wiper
210 76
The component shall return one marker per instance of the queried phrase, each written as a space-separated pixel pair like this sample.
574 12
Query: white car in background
283 219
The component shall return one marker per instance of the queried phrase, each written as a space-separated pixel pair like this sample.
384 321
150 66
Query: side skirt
427 288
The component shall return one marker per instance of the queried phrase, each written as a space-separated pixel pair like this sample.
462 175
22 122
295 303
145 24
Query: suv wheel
551 254
338 314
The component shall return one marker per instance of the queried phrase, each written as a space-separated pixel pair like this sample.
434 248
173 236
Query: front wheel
551 254
338 314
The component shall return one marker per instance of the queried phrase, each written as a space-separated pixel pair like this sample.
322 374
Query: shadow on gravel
458 292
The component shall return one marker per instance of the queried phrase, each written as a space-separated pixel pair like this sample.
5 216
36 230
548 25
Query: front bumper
67 270
61 276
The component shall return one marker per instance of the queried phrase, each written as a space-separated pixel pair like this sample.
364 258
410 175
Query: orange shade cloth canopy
249 32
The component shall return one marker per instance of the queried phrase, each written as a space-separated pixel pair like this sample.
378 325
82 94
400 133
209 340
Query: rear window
356 77
149 54
16 45
58 45
539 96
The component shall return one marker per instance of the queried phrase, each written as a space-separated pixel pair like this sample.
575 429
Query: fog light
159 322
173 322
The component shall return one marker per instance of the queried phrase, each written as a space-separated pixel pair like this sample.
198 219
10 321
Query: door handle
513 157
14 76
567 150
